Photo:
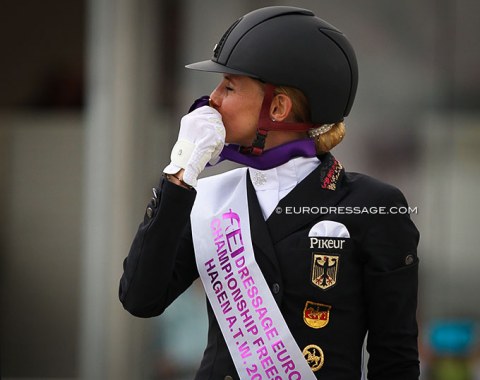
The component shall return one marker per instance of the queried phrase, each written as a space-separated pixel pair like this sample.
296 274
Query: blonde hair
328 140
324 142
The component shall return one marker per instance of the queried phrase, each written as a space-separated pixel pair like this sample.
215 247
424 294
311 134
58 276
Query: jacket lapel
324 187
262 243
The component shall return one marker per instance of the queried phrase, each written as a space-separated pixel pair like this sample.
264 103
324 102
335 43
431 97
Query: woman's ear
280 107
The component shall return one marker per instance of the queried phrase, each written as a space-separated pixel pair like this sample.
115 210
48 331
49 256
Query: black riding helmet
289 46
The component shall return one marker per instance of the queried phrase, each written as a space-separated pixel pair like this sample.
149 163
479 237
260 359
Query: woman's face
239 100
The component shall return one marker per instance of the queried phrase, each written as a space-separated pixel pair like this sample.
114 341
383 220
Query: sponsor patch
316 315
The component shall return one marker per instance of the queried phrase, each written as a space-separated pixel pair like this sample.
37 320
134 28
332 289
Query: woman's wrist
177 179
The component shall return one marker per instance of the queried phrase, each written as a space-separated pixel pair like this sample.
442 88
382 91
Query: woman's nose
215 99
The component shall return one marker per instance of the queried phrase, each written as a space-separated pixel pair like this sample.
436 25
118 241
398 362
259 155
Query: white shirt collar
285 176
273 184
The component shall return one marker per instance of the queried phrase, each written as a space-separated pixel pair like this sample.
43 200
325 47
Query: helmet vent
218 47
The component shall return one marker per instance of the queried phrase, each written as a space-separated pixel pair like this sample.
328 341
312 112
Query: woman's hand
201 139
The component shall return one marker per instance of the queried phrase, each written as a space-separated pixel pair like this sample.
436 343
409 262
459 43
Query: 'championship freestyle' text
251 329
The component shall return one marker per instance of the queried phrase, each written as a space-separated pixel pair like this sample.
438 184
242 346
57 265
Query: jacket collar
324 187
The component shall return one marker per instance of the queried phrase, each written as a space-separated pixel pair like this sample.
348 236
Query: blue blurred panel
452 337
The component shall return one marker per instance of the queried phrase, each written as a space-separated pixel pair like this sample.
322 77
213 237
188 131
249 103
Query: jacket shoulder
373 188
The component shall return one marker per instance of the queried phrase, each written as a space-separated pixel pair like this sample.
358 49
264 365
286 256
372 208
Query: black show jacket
373 286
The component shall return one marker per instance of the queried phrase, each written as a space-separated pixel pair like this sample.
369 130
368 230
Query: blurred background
91 93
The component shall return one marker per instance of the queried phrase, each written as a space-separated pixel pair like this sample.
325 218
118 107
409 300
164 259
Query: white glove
201 139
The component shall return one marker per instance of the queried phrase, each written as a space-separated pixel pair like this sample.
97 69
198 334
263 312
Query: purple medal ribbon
270 158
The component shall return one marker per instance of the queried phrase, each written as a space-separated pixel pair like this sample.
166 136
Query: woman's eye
228 88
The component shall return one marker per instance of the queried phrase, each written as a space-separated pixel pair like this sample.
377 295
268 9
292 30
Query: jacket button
275 288
409 260
149 212
228 378
154 201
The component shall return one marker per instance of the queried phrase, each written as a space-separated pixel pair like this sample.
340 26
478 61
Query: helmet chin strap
265 124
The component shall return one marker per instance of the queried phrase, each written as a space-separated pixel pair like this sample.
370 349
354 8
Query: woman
299 259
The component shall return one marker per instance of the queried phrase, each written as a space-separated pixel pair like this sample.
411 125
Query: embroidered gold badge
316 315
314 357
324 270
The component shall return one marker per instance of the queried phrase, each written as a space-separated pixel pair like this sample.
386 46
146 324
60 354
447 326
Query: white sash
254 329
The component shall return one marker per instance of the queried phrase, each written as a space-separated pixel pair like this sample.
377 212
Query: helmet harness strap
265 124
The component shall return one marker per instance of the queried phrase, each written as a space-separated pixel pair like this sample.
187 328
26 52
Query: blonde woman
297 259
